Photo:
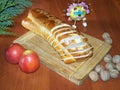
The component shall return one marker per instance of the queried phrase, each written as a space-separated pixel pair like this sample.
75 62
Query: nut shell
109 66
114 73
108 58
93 75
118 66
105 75
107 38
116 59
98 68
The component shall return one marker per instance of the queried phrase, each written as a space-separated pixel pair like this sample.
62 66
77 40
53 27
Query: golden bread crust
70 44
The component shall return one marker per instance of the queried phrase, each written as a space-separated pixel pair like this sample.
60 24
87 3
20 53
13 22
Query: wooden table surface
104 17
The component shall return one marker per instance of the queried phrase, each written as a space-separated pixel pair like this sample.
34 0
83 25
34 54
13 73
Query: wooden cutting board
75 72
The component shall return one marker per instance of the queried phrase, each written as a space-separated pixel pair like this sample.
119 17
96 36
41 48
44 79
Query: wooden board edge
78 76
73 78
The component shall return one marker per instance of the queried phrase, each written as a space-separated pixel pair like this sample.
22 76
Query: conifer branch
8 10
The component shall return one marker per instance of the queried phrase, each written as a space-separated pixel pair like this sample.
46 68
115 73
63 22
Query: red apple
14 52
29 61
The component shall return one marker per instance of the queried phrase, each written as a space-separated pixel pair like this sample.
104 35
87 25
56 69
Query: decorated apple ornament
29 61
14 52
77 11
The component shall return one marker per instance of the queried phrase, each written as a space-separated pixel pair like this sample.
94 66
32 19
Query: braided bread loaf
70 44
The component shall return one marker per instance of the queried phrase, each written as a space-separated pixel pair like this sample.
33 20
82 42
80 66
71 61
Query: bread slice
70 44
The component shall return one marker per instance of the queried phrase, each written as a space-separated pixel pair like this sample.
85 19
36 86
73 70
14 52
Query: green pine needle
3 32
8 10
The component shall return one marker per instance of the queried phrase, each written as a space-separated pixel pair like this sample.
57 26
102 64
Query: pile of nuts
111 67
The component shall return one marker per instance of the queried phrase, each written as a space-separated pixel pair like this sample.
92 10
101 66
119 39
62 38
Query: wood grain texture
75 72
103 18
